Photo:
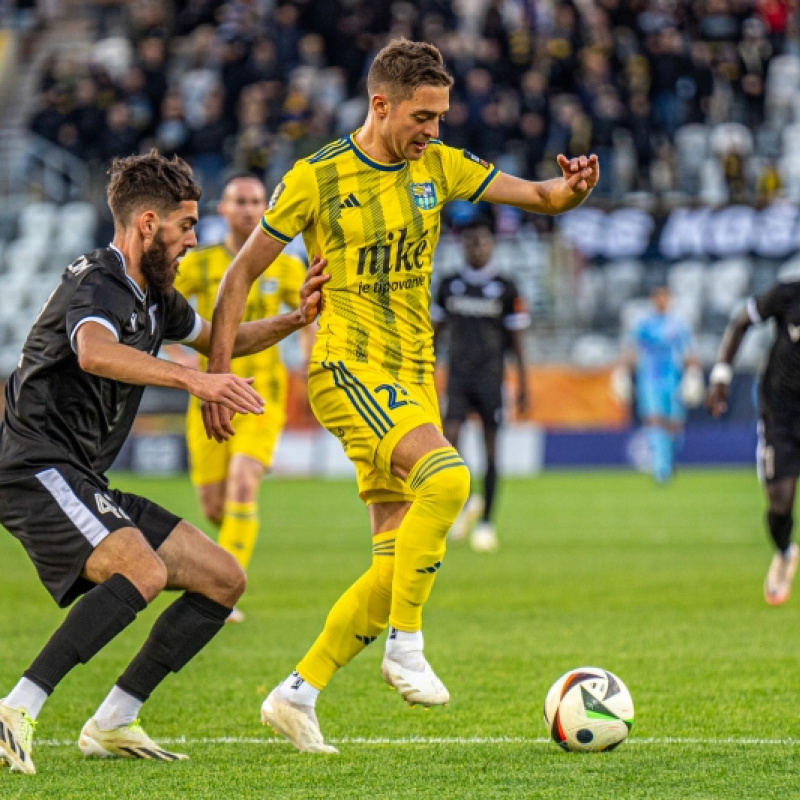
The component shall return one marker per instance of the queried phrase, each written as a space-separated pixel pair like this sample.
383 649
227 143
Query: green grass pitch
660 585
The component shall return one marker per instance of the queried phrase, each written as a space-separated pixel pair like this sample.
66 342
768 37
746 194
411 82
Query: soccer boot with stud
778 583
16 739
416 682
295 722
127 741
484 538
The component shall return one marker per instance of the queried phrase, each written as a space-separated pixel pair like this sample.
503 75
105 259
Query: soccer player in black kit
778 452
485 315
70 405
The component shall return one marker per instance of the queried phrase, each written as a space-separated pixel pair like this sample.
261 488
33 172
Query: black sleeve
179 316
774 301
99 297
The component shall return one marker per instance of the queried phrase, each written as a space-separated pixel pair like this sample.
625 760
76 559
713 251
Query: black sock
780 529
90 625
179 634
489 490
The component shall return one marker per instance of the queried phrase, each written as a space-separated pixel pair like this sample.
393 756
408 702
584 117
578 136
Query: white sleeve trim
100 321
195 332
752 311
517 322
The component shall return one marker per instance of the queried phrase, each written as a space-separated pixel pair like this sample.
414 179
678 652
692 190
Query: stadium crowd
254 85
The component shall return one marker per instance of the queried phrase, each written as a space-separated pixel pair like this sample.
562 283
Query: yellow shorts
369 411
256 436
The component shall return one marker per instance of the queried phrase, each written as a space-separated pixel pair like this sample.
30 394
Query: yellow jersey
198 279
378 225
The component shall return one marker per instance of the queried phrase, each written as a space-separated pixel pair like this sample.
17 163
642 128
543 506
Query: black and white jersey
55 411
479 307
780 384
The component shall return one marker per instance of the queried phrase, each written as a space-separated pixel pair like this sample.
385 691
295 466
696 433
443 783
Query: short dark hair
241 175
402 66
149 181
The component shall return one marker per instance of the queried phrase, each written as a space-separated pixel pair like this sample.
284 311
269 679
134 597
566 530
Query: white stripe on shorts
71 505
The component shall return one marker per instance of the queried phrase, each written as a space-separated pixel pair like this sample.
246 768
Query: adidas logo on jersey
350 202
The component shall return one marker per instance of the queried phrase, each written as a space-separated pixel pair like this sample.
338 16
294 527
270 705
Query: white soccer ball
588 709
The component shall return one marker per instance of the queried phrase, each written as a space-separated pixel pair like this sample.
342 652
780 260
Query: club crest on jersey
424 195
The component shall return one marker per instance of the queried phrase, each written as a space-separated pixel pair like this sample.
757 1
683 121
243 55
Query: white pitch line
449 740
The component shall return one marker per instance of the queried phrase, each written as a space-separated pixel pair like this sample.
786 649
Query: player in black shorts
778 452
485 314
70 405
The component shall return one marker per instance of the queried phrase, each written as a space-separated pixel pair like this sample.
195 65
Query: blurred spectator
120 137
172 132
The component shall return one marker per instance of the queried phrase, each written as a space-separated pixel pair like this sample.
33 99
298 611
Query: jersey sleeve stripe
268 229
485 185
99 320
196 328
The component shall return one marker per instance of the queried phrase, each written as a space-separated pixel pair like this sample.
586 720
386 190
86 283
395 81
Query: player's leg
212 582
357 618
251 453
653 407
458 406
484 535
208 465
431 468
778 459
780 523
82 543
239 529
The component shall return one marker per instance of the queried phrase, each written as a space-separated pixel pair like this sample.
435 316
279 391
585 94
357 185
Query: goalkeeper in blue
660 351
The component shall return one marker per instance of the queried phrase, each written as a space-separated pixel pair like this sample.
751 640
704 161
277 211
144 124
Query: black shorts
485 398
61 514
778 449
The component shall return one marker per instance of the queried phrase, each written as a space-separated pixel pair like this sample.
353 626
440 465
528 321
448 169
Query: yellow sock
357 618
239 531
441 481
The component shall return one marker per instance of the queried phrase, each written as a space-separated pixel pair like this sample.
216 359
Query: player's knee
230 581
444 477
149 576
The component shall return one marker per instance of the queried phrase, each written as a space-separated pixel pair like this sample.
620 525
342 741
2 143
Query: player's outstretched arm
258 252
722 372
252 337
578 177
101 354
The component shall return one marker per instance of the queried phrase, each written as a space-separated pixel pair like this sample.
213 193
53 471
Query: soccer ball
588 709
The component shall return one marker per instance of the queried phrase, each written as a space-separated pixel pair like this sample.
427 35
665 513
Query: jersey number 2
392 390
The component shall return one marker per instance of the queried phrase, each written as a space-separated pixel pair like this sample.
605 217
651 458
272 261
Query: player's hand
693 387
621 384
217 421
580 173
717 399
311 290
233 392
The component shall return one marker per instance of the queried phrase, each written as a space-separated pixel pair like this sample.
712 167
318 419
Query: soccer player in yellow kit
227 475
371 203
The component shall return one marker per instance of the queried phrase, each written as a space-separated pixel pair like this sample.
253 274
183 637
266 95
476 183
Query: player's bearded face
156 265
